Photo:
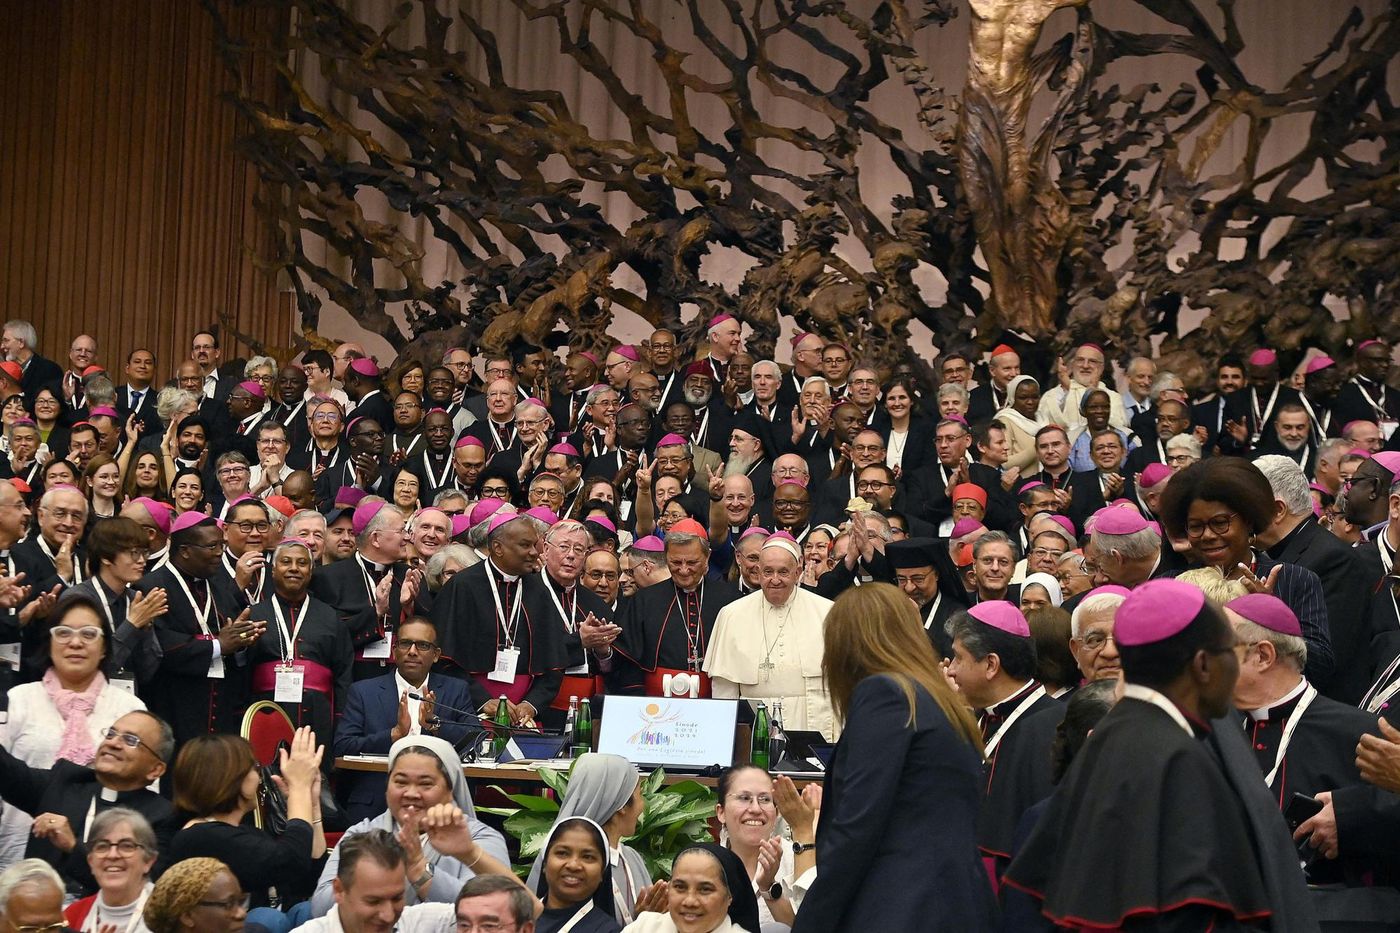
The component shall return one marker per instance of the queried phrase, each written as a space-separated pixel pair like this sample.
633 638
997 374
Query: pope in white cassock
768 645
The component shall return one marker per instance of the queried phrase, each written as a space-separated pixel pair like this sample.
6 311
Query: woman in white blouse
64 713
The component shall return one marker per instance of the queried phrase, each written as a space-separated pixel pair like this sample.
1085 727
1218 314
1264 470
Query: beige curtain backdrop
124 211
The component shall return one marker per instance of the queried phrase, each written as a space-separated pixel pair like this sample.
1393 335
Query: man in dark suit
19 343
1295 537
138 396
380 711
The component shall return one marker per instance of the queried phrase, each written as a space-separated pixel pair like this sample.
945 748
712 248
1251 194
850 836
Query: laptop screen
670 733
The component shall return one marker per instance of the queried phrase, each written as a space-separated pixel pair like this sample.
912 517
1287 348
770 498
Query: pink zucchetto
1318 363
650 543
1115 521
1263 357
671 440
485 509
627 352
748 533
544 514
364 514
1000 614
1152 474
719 319
1269 611
964 527
159 512
107 411
364 366
500 519
1155 611
468 440
1390 459
1109 589
190 519
460 525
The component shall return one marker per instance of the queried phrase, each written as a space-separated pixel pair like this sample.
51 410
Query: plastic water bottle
777 740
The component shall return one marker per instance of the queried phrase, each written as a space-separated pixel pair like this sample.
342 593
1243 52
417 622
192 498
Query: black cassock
1158 824
1321 756
347 586
655 632
1017 772
570 607
471 631
183 693
72 790
320 639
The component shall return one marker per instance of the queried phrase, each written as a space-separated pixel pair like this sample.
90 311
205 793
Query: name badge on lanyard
290 680
289 684
201 615
507 657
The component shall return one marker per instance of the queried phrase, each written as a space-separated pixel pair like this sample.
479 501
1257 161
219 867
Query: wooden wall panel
124 211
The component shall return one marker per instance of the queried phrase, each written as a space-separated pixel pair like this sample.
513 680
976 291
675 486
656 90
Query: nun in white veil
608 790
438 779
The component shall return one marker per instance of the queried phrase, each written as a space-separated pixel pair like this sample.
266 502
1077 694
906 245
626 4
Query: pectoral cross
765 670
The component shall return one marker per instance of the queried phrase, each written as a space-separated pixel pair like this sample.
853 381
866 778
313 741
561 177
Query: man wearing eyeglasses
55 556
916 563
33 898
244 561
64 799
379 711
587 622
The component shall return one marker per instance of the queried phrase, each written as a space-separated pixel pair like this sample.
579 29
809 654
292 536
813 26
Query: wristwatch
774 892
799 847
423 878
432 725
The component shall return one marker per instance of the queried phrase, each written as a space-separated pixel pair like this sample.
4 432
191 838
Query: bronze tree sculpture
461 148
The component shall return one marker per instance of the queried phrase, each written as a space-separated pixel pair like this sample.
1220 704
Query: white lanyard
573 922
286 419
1377 696
1261 418
439 480
77 570
624 899
1309 695
1016 714
508 623
700 429
933 611
1148 695
201 613
570 618
1382 545
248 422
254 587
1379 409
94 923
288 640
1319 424
316 455
106 607
495 439
370 586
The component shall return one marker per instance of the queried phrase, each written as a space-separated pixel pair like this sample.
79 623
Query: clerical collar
108 794
509 578
1008 706
371 564
1282 544
1281 708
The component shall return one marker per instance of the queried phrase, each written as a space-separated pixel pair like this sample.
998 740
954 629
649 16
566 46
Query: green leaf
653 782
557 781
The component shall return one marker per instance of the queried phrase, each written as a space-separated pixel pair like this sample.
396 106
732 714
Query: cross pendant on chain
765 669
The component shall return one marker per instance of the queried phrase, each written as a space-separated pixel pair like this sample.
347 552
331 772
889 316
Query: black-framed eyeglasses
124 847
1218 524
423 647
231 905
249 527
129 739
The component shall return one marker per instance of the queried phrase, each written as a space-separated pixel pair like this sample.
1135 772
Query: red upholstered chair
264 726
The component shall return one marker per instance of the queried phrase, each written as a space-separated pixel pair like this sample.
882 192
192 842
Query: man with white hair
309 527
1141 373
806 363
767 379
767 646
1061 405
1304 743
586 621
1291 436
20 344
55 555
986 400
497 431
726 340
1091 633
31 896
1296 537
1125 549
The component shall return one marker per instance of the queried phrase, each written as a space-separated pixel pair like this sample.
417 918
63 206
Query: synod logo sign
672 733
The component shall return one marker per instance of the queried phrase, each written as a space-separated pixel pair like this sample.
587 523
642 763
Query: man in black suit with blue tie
380 711
137 396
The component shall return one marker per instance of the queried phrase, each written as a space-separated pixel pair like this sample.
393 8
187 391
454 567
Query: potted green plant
675 817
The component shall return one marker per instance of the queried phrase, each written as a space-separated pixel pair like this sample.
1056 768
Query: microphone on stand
475 719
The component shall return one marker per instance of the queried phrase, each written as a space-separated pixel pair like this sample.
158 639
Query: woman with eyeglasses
217 783
121 851
425 773
65 713
450 560
104 484
48 412
748 809
198 895
1216 507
